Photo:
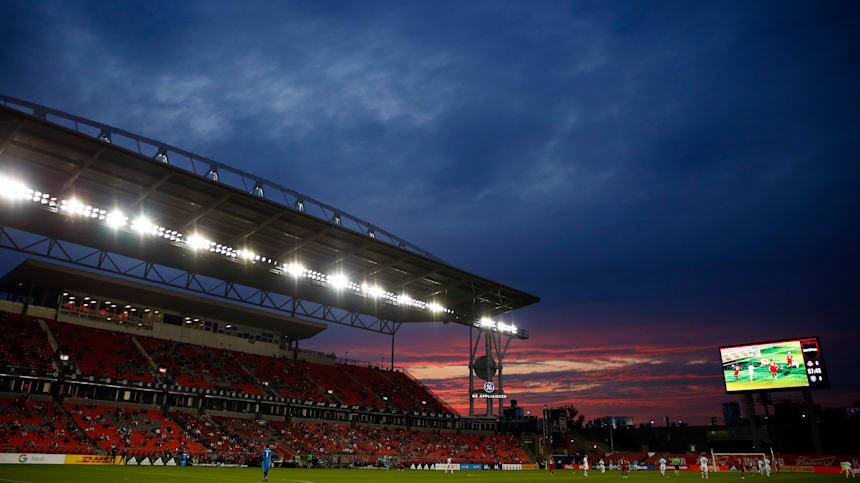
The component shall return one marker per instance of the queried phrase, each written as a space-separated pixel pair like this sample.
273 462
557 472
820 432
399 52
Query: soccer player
266 462
773 368
751 370
551 465
450 467
847 467
677 463
743 467
623 468
662 466
760 464
703 465
788 359
585 466
737 371
601 466
767 467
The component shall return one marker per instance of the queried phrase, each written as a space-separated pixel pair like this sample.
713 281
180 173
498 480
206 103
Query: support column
813 421
30 288
471 374
59 303
392 352
488 343
748 399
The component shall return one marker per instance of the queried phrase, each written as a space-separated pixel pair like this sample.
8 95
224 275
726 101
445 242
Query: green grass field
151 474
762 378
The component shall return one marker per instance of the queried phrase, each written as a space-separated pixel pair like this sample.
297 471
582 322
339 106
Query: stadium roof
59 277
95 168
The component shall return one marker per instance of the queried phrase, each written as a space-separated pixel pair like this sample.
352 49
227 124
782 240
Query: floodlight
12 189
507 328
196 241
141 224
212 173
485 322
64 357
337 281
434 307
295 269
374 291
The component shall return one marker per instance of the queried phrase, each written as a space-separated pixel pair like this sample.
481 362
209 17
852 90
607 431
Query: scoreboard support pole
813 421
748 399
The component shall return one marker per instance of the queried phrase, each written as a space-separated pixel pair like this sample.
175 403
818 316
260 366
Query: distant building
731 413
614 421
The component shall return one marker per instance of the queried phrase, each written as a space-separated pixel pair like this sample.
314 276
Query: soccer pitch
151 474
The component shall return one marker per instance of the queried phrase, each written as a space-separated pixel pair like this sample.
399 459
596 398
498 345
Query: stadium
618 217
172 338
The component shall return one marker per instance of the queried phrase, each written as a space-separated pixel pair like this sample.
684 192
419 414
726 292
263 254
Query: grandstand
169 294
107 405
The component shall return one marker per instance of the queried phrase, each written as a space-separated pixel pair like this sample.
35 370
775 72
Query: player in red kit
737 371
788 359
773 368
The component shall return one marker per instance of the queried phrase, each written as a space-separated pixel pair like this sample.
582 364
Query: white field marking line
15 481
169 475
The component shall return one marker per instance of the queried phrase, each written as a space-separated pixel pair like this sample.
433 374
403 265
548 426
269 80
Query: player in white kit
449 466
662 466
601 466
760 465
585 466
767 467
751 370
703 465
847 467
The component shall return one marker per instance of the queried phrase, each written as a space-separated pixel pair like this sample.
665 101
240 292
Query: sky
667 176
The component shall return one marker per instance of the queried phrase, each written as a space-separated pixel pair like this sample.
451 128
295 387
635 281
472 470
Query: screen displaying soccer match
786 364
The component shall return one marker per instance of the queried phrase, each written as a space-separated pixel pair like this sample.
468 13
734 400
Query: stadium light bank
13 190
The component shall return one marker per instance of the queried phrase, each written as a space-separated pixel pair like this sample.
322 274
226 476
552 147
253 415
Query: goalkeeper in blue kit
266 462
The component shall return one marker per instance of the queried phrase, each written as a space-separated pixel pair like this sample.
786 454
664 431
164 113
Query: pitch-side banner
91 459
32 459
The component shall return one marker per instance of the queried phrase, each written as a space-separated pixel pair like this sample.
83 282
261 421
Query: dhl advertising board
57 459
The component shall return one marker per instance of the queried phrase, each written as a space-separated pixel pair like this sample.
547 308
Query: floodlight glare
485 322
141 224
295 269
435 307
116 219
12 189
337 281
196 241
507 328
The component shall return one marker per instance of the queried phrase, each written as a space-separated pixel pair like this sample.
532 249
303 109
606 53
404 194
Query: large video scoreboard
774 365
